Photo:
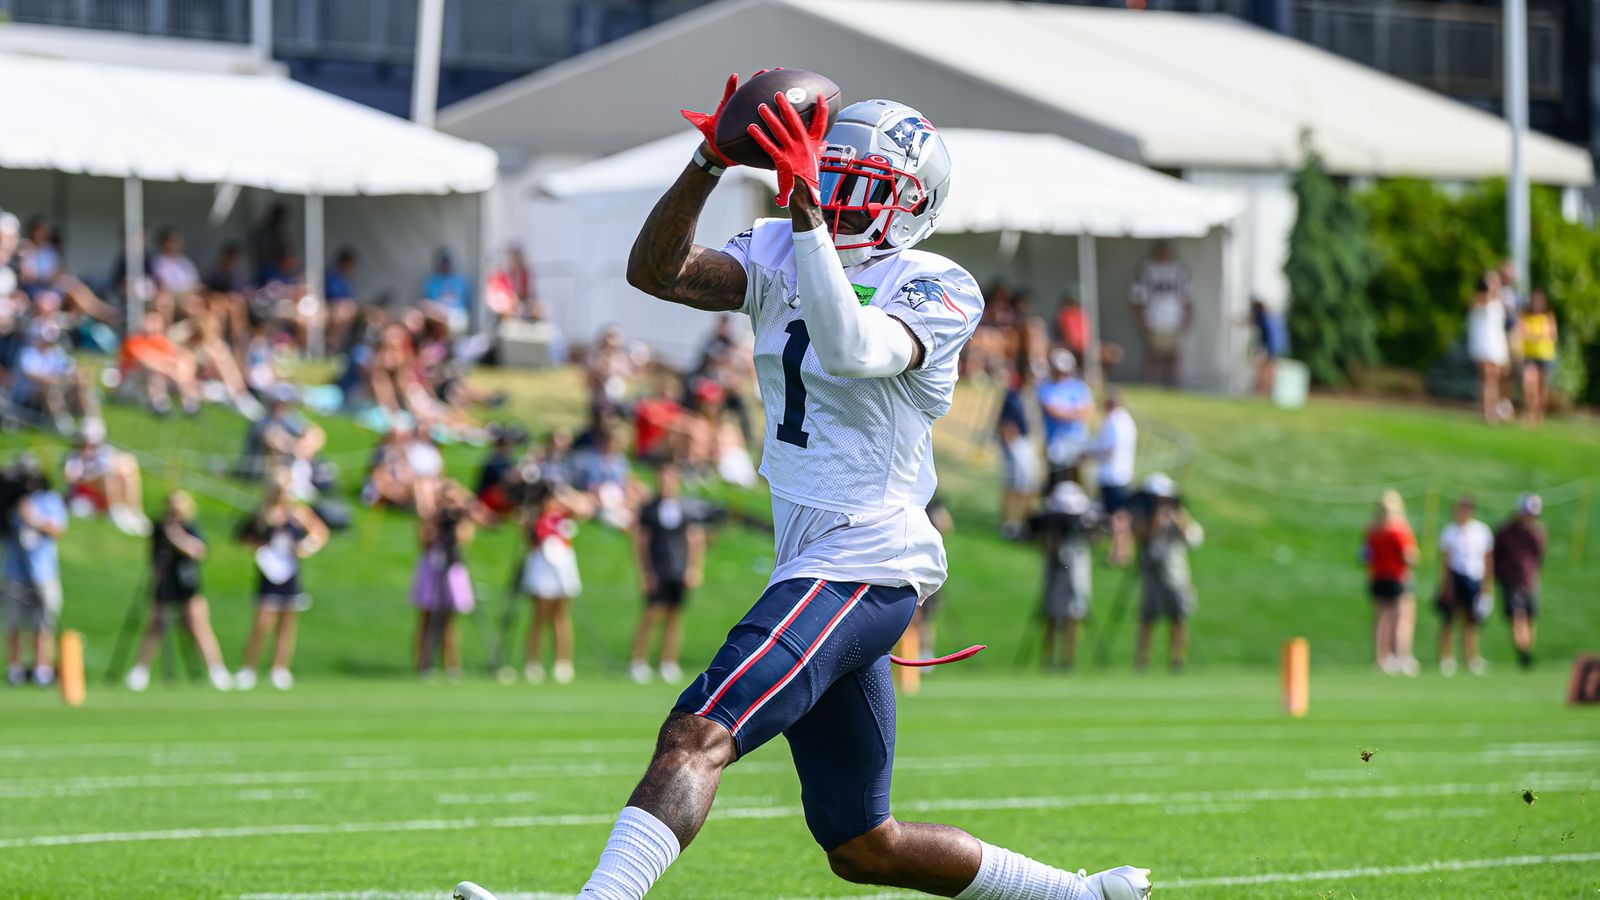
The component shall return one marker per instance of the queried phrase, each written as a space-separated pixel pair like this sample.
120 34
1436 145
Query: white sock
1005 875
638 852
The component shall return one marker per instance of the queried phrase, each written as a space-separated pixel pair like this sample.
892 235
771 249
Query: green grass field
348 789
363 784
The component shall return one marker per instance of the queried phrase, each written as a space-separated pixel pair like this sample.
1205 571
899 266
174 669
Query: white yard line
1178 800
1430 867
1422 868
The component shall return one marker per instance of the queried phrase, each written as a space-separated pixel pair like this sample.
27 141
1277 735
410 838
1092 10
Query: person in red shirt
1390 551
654 418
1073 325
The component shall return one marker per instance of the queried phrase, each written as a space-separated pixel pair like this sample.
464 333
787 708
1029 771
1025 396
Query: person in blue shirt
339 292
33 578
450 289
1272 334
1066 404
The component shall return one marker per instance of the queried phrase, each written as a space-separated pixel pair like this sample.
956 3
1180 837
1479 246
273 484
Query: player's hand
795 148
706 123
693 578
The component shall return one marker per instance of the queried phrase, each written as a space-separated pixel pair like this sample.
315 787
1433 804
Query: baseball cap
1062 359
1067 497
1529 504
1159 485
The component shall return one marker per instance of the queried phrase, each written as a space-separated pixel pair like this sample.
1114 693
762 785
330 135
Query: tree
1331 322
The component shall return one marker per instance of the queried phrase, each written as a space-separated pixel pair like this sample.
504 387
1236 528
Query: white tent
1013 199
1170 90
1217 101
234 132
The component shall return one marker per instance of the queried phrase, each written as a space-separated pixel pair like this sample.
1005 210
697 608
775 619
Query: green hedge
1432 244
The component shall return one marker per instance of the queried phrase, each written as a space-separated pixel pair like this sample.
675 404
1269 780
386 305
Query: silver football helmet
884 160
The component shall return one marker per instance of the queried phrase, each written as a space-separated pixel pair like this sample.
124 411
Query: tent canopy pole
133 248
1089 296
312 303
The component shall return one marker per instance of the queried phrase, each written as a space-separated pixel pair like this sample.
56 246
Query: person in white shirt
1466 556
1115 447
1163 310
175 273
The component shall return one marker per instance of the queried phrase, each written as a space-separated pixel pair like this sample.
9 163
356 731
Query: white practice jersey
854 453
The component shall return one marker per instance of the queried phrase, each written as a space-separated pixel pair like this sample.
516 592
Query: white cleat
640 672
282 679
1121 883
138 678
245 679
466 890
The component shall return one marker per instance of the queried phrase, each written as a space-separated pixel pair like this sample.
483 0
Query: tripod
173 648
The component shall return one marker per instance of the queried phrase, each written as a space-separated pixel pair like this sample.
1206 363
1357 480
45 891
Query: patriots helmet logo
910 132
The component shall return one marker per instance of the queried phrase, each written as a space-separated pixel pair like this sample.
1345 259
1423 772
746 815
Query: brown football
800 86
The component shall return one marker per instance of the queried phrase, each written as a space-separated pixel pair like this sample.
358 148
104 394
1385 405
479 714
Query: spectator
1163 309
608 368
1390 551
550 575
292 441
33 578
602 472
175 273
655 418
1114 450
1168 590
41 268
524 287
555 458
1272 342
10 237
269 243
283 531
727 360
1073 325
670 544
1486 344
1030 342
1510 297
1519 548
1066 404
1019 460
441 587
339 292
389 477
1466 556
451 290
1539 339
163 366
47 381
177 549
101 478
499 469
203 335
226 275
1064 529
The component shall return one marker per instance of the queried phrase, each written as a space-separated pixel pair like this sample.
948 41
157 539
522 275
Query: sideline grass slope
1284 496
350 789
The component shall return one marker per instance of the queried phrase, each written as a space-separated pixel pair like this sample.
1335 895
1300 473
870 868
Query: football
802 87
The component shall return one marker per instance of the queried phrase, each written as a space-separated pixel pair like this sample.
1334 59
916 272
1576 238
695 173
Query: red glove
795 148
706 123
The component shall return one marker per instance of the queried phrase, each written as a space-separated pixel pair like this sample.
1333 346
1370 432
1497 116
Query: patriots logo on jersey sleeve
921 292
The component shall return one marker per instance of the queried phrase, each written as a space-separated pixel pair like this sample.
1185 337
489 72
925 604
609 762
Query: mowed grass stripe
1172 800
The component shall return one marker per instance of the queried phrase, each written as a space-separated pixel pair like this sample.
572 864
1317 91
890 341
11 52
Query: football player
857 336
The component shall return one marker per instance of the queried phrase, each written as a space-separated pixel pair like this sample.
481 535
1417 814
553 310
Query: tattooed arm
665 261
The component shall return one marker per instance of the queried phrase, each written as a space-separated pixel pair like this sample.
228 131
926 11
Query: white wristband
707 166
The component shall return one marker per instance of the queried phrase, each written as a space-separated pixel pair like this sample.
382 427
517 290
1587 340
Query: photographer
498 469
1064 529
32 574
176 550
1165 534
670 542
442 586
283 532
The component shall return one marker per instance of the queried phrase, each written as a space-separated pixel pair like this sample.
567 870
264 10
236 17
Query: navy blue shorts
811 662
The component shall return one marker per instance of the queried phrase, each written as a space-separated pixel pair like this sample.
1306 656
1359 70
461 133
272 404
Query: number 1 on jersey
792 429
